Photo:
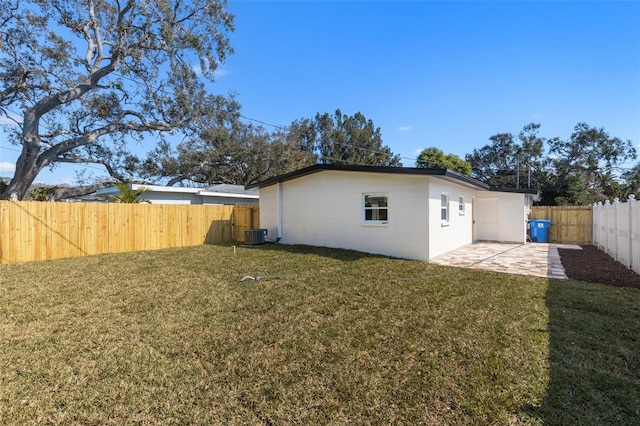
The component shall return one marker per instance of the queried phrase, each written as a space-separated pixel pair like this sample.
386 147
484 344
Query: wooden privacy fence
616 230
244 218
569 224
42 230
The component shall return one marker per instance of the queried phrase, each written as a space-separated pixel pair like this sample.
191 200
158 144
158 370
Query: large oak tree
84 78
235 153
342 139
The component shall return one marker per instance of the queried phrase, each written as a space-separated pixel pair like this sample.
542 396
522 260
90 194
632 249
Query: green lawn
326 337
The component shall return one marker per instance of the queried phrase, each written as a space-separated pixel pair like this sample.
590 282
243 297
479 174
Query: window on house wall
461 208
376 209
444 209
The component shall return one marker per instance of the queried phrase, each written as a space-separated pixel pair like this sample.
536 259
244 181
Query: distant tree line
585 168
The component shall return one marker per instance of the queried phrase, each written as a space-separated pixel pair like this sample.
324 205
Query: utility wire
287 129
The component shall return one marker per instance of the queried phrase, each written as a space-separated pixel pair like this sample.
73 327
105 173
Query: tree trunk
29 163
26 172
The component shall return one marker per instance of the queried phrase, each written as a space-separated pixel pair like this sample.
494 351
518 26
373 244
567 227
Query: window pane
444 208
375 201
375 207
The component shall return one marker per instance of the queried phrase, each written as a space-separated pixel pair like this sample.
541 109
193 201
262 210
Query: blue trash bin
539 230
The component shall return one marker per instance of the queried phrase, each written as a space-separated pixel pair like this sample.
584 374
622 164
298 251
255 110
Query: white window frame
376 208
462 208
444 209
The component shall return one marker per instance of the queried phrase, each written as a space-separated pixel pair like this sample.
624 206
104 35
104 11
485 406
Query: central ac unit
255 236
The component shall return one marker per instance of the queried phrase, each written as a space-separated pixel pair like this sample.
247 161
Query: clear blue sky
443 74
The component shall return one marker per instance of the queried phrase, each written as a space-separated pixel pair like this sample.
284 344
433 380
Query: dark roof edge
450 174
516 190
287 176
466 179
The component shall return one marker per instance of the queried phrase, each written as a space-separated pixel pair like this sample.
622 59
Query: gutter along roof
445 174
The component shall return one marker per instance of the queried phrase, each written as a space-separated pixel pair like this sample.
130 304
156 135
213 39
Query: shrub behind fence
616 230
42 231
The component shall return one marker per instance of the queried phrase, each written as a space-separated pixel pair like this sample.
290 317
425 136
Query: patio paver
532 259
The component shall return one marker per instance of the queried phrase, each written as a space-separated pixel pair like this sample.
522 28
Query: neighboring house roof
221 190
445 174
226 188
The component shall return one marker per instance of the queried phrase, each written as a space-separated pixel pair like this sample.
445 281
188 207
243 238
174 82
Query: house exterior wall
269 206
228 201
171 198
501 216
326 209
186 198
457 231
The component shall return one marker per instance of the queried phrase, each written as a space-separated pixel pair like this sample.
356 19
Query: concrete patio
532 259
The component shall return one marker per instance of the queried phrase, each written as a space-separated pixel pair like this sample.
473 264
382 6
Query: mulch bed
595 266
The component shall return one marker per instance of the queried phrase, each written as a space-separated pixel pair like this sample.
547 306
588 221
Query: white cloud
417 151
404 128
220 72
537 116
7 167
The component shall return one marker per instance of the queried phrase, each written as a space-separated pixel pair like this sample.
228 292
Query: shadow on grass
594 355
333 253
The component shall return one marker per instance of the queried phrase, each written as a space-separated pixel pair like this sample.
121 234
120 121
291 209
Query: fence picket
569 224
616 231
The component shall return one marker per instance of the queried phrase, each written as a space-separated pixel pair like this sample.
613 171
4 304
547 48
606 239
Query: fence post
594 224
616 206
630 204
602 225
607 220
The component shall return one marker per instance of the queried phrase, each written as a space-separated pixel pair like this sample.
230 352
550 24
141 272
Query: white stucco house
402 212
215 194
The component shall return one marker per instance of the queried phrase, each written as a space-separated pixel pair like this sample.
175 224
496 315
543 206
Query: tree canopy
238 154
89 77
580 170
434 158
341 139
233 151
585 165
510 161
